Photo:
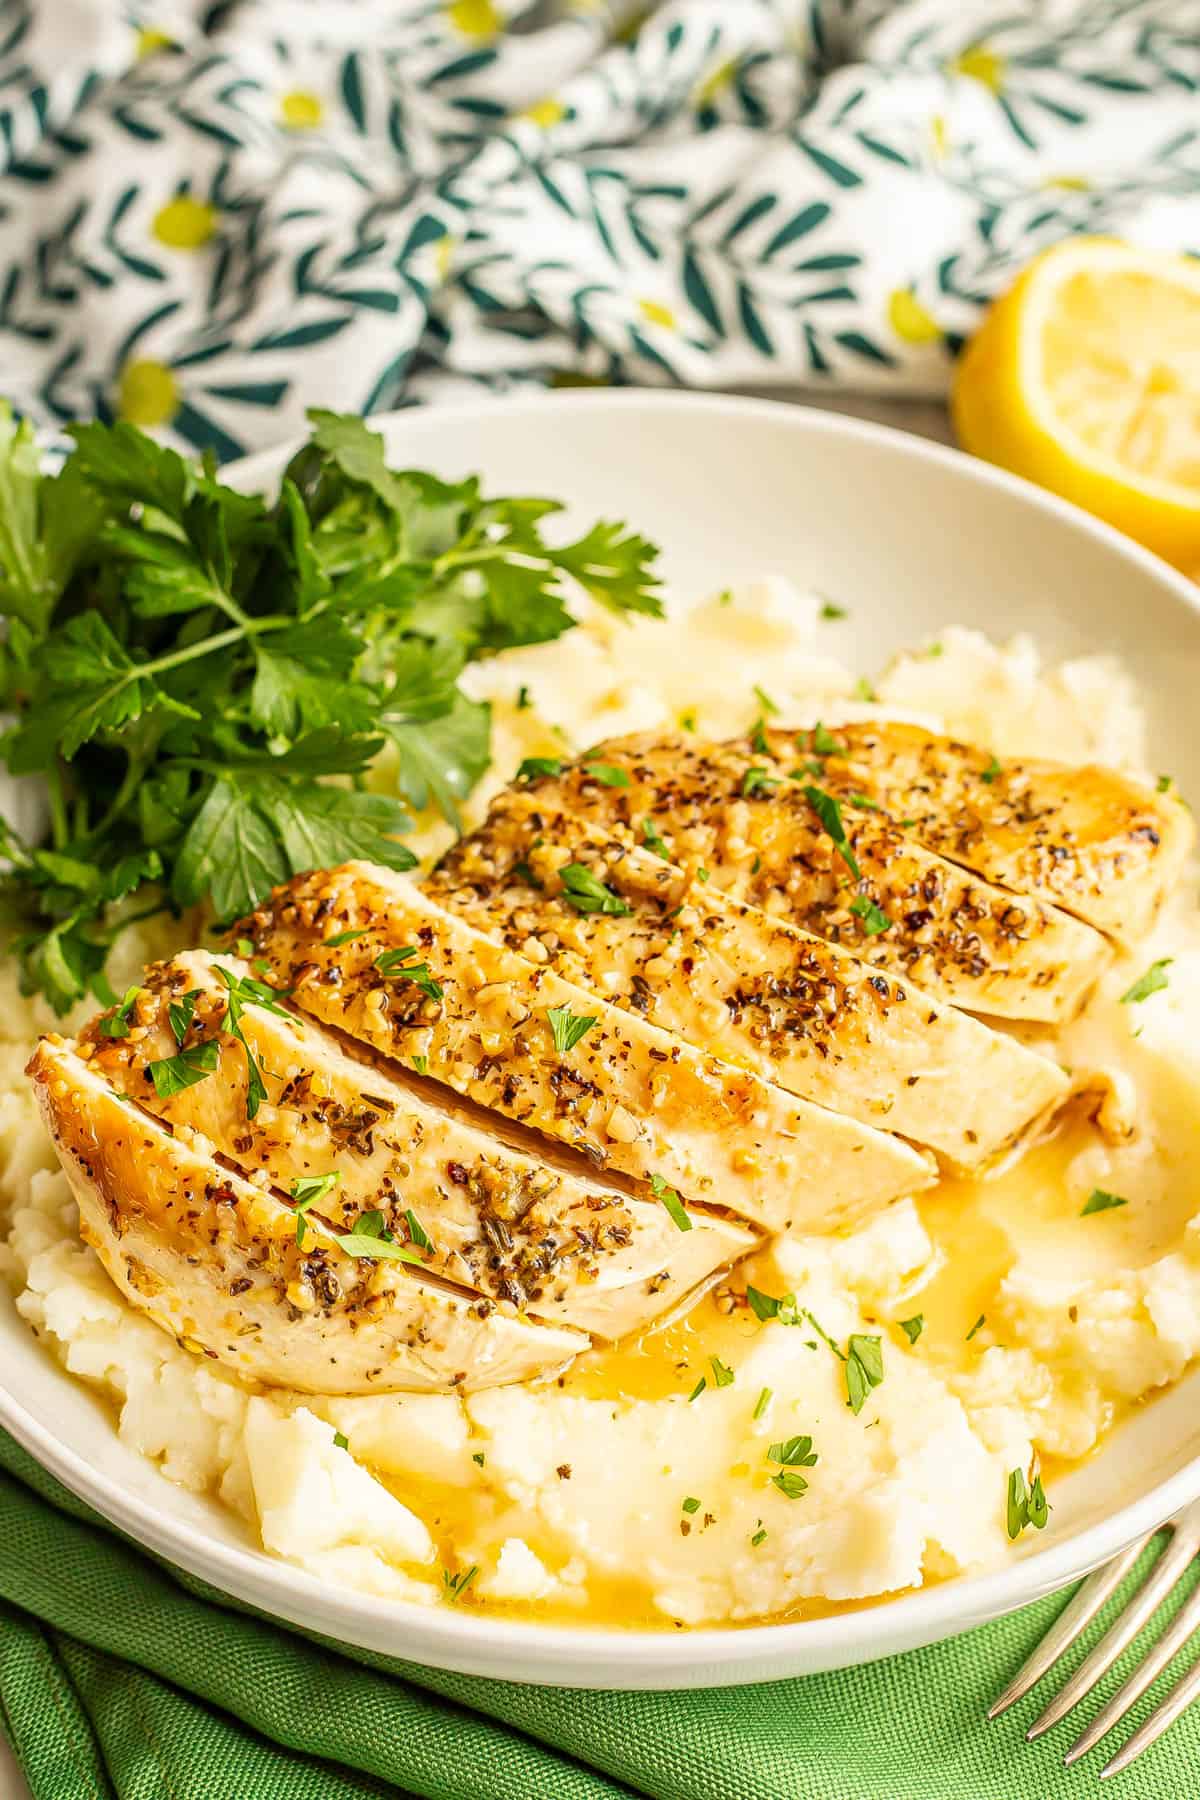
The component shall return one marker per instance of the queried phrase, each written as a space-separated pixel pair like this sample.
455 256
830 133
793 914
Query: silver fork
1182 1544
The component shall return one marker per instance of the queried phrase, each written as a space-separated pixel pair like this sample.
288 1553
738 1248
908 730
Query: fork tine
1185 1539
1165 1714
1075 1617
1160 1654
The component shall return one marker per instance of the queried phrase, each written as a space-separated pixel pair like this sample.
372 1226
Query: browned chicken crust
742 819
1092 841
755 989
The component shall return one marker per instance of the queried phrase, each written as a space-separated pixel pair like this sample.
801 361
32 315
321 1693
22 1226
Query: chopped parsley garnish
1163 784
758 781
397 965
116 1025
457 1585
533 766
305 1191
759 1537
1151 982
975 1327
768 1306
340 1441
912 1328
697 1390
344 937
688 720
864 690
1100 1201
766 705
794 1454
762 1403
568 1027
1026 1503
652 840
874 919
864 1368
417 1233
831 610
607 774
244 990
421 1064
672 1202
864 803
701 873
830 815
181 1012
175 1073
821 742
993 769
691 1504
758 737
523 702
587 894
524 873
369 1237
725 597
722 1374
478 1458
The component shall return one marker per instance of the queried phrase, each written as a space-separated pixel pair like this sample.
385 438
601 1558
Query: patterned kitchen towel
215 215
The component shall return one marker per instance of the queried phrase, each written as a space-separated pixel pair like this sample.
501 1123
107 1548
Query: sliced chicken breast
1088 839
213 1259
752 988
367 951
753 826
521 1228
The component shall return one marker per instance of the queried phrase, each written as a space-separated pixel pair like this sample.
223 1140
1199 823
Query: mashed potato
625 1490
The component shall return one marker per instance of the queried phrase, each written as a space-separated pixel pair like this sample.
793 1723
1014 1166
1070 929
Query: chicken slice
521 1228
1088 839
213 1260
367 951
753 989
744 821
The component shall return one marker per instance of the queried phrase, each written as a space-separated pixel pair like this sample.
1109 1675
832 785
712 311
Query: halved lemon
1085 377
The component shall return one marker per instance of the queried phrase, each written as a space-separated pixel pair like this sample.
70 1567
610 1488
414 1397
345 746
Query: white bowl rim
446 1639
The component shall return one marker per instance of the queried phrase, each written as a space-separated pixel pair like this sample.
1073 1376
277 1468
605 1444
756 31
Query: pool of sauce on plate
974 1223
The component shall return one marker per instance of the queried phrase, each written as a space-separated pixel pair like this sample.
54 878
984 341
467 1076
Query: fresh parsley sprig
189 668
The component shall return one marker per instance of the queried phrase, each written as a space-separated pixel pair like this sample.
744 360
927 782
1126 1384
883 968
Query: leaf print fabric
216 215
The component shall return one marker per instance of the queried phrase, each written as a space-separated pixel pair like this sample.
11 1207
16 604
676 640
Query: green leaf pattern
217 215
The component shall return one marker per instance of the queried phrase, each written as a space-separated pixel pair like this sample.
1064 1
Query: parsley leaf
306 1190
181 1012
607 774
874 919
116 1025
912 1328
674 1205
1151 982
1026 1504
535 766
587 894
723 1375
568 1027
864 1368
1099 1201
175 1073
795 1453
370 1238
652 840
992 771
830 815
757 781
397 965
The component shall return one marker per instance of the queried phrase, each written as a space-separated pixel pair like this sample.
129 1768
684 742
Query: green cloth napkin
124 1679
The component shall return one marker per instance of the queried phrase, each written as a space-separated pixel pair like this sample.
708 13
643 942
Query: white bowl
908 537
